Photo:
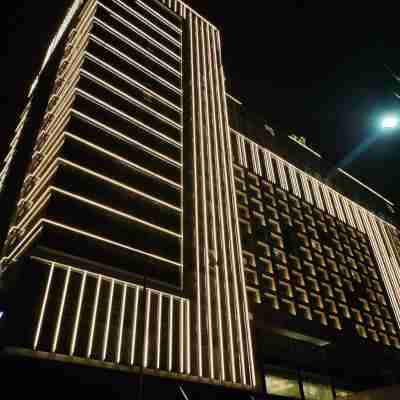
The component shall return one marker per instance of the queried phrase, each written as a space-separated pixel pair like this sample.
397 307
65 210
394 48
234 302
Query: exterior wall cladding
147 232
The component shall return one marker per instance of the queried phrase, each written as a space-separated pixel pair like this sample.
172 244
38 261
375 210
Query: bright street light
389 122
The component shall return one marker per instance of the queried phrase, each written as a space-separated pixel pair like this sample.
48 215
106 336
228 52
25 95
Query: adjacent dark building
152 227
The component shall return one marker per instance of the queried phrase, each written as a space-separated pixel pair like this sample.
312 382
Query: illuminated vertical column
328 200
390 267
181 337
223 213
317 193
239 150
294 180
268 166
356 213
281 173
256 159
242 144
135 316
229 197
94 317
188 339
214 155
306 188
392 257
61 310
121 323
78 314
245 334
347 210
338 206
147 299
159 318
108 319
170 332
378 251
393 237
196 201
205 204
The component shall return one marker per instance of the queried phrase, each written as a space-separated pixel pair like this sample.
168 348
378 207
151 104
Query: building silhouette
152 226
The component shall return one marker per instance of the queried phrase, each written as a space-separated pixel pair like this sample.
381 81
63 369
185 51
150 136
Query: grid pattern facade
303 260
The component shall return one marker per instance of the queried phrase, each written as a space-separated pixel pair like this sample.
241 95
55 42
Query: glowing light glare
389 122
1 315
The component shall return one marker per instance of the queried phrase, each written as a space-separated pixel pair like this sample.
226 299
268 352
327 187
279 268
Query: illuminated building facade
150 228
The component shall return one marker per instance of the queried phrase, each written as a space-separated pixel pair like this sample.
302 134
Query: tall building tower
152 228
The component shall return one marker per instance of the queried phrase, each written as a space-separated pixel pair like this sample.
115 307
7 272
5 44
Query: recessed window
267 265
249 259
361 331
257 204
301 295
269 283
294 262
288 306
271 300
304 311
270 200
264 249
271 212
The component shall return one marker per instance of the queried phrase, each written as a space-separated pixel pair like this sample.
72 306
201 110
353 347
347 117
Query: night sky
312 70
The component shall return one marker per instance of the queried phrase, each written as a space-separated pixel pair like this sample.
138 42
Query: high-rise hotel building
152 228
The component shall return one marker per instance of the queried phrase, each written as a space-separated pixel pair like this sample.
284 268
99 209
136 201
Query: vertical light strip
385 268
346 206
78 314
43 309
358 219
207 150
181 337
282 173
378 254
392 259
256 159
228 198
107 327
121 323
222 208
61 310
253 158
294 180
206 263
188 344
389 267
339 211
268 166
94 317
317 193
170 332
212 170
328 200
159 316
306 188
239 150
236 236
243 151
135 317
205 258
146 328
196 206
